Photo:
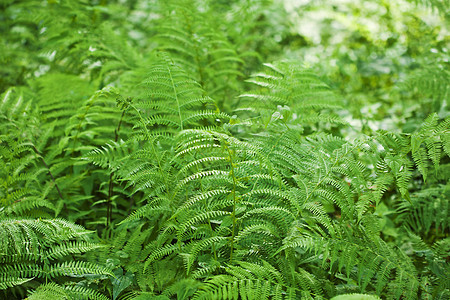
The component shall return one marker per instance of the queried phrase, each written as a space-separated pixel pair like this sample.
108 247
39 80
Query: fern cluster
172 158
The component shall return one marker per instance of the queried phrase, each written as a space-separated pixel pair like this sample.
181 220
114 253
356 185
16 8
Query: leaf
121 282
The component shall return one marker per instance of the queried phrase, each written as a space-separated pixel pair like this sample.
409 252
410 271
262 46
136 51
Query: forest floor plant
173 150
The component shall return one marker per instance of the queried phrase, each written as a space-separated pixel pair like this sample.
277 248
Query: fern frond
189 36
292 95
54 291
29 247
226 287
373 259
172 99
76 268
8 281
441 6
428 210
49 291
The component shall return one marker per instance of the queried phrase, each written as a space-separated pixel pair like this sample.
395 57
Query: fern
186 180
54 291
188 35
29 249
23 166
229 288
293 95
172 99
441 7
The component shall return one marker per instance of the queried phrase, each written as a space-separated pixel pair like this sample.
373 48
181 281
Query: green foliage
29 249
54 291
219 150
355 297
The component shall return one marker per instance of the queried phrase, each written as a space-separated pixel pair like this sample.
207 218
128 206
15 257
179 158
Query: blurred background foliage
382 55
374 52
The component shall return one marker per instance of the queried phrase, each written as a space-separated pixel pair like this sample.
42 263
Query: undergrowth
169 150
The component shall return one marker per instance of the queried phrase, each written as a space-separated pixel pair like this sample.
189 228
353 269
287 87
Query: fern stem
45 165
233 213
176 97
111 182
49 172
270 152
147 133
78 128
197 53
209 221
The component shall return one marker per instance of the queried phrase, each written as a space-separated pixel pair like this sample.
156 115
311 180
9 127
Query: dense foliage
224 149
